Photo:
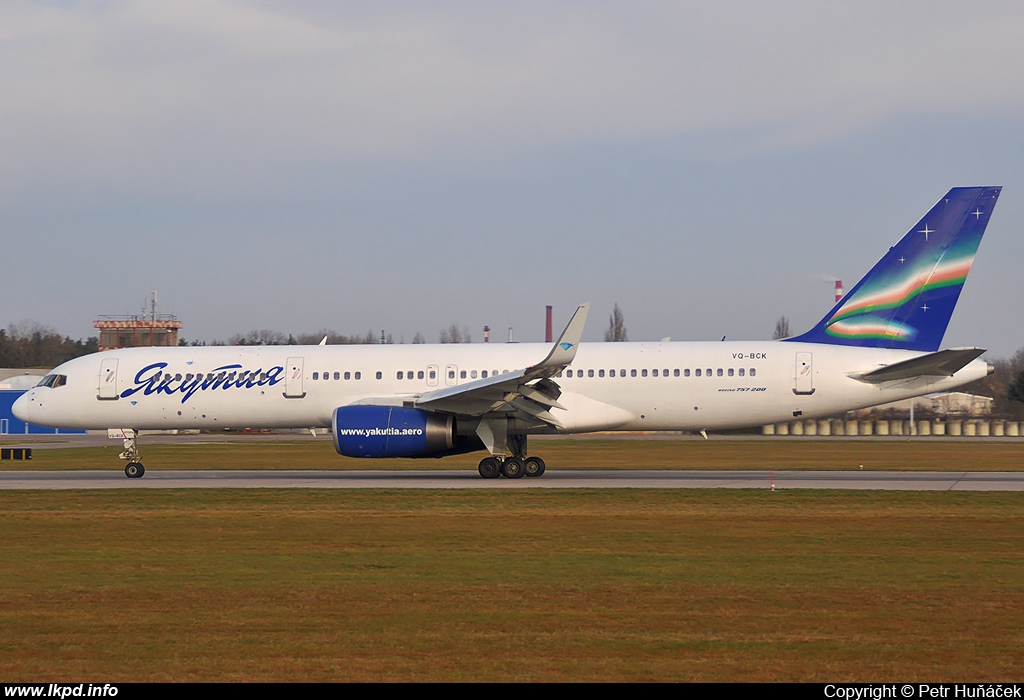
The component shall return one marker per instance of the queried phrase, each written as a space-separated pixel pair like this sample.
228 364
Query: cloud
109 89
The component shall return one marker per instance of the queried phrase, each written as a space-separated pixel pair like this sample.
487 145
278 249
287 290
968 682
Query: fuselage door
451 375
432 371
804 374
108 379
293 379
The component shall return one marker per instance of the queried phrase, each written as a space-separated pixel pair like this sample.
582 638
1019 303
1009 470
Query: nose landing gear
134 468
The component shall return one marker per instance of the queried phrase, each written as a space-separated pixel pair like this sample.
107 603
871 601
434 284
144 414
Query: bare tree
1015 391
418 339
616 332
781 328
454 334
261 337
26 329
333 338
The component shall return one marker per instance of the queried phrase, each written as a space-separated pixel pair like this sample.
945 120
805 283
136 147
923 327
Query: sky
403 166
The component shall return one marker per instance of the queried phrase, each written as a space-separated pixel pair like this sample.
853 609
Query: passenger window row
340 375
245 376
472 374
709 372
410 374
569 373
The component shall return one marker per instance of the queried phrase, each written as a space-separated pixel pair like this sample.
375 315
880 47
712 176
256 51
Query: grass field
717 453
514 585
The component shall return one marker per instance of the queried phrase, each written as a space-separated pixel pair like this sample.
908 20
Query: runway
553 479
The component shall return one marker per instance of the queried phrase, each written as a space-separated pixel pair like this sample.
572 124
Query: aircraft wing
935 364
527 393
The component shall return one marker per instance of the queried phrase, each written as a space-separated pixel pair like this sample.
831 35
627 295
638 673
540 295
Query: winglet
564 350
529 392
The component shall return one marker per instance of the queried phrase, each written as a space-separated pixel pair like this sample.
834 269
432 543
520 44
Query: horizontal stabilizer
937 364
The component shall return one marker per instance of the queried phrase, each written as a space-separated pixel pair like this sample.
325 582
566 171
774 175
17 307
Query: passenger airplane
878 344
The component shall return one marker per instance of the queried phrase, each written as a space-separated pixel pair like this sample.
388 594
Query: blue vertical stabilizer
907 299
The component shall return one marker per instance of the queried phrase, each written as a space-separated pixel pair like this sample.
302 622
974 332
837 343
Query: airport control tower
148 329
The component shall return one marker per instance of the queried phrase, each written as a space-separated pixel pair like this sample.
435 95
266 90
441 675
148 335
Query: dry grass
512 585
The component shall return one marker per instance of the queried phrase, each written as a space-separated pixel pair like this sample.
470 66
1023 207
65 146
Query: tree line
1005 386
452 334
29 344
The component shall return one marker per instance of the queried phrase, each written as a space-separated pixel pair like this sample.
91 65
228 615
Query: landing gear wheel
534 466
489 468
134 470
512 468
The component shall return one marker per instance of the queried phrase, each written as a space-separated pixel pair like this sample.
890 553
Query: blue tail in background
908 297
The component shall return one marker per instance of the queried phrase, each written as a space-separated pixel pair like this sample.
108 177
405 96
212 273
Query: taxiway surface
553 479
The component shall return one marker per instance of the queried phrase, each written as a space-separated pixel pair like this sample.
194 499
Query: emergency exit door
804 382
108 379
293 379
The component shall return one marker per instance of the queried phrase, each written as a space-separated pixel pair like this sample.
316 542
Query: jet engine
392 431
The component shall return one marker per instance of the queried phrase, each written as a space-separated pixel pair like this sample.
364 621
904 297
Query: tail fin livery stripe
907 299
946 273
868 327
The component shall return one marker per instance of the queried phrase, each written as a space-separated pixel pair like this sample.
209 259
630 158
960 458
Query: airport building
953 403
158 330
146 330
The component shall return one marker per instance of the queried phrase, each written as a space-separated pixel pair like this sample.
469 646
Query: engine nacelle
391 431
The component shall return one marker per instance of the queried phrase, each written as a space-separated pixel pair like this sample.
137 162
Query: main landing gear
499 442
511 467
134 468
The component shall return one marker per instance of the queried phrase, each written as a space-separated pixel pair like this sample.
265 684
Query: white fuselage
739 384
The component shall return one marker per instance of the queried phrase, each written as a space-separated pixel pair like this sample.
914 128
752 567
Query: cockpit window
53 380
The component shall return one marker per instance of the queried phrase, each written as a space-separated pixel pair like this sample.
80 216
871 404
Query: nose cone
20 408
